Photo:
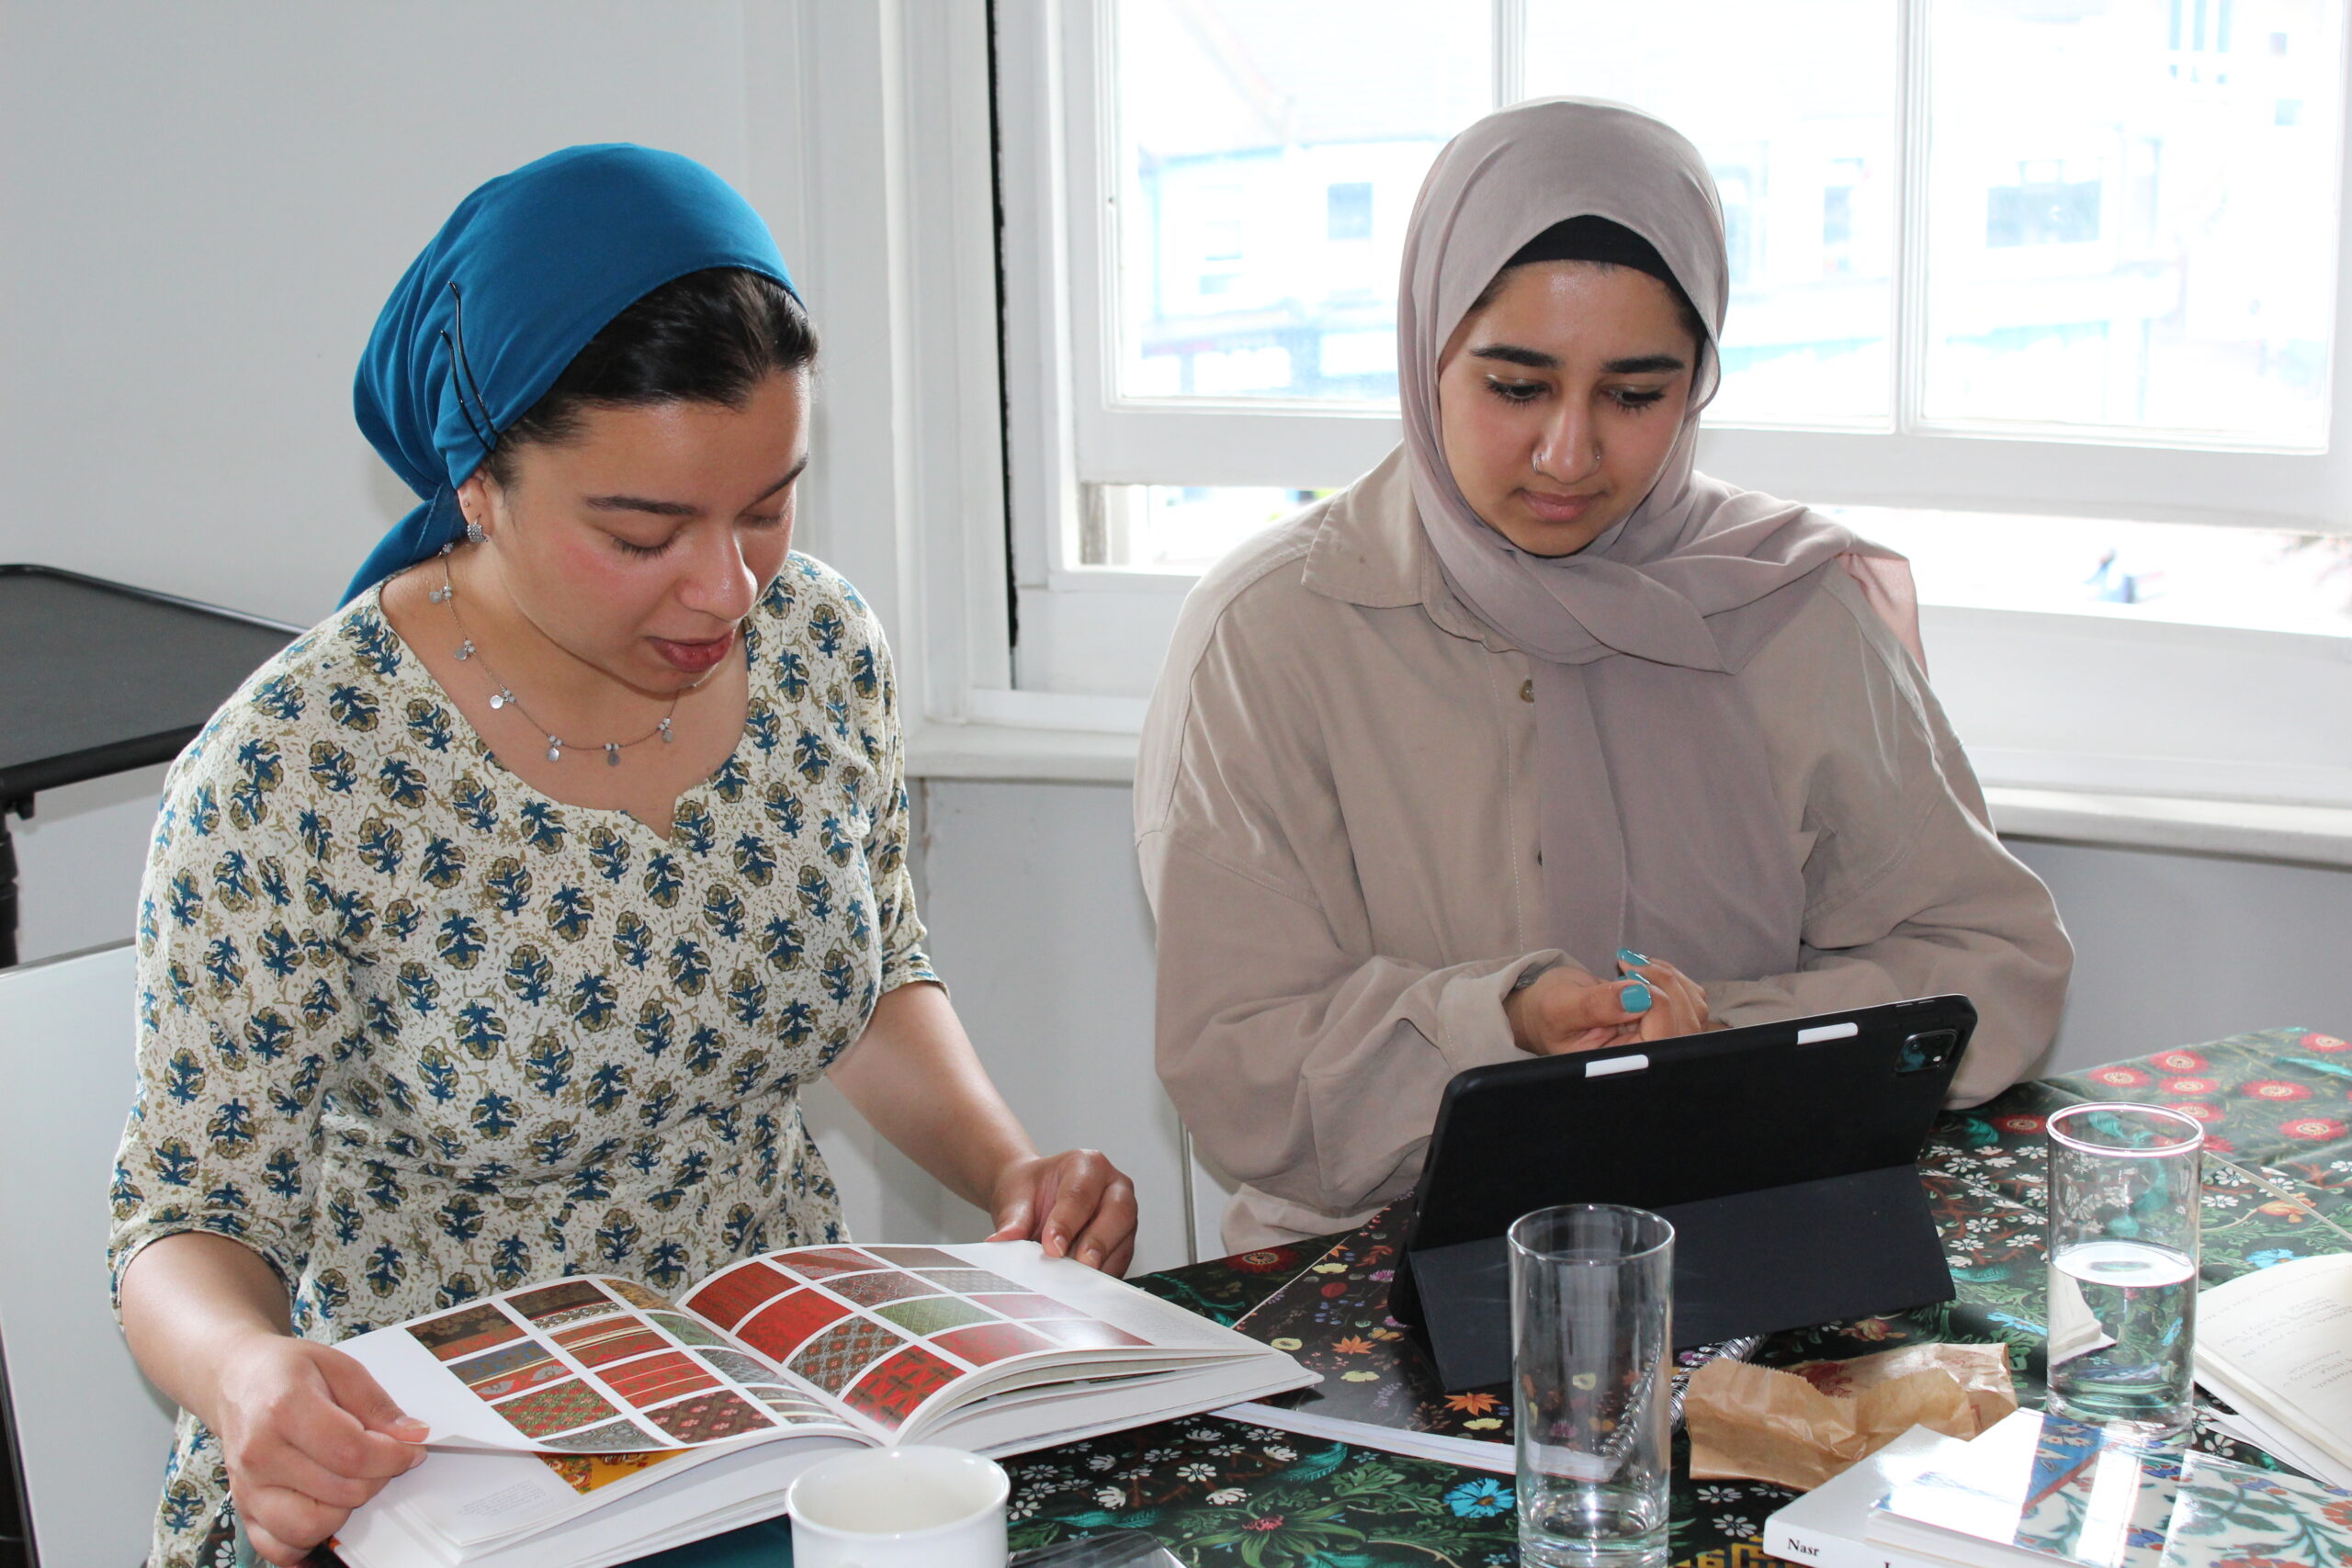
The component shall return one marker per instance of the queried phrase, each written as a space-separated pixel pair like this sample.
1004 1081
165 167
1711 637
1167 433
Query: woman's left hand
1678 1003
1074 1205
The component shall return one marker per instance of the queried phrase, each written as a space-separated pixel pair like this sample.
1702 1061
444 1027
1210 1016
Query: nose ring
1537 461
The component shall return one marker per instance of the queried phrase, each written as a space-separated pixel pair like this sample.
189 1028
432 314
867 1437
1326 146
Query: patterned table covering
2278 1108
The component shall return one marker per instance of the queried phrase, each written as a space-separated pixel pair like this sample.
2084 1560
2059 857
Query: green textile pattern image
932 1314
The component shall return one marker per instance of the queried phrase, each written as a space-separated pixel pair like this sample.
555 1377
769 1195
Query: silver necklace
505 697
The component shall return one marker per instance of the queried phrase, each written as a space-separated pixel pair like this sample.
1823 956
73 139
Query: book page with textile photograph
587 1365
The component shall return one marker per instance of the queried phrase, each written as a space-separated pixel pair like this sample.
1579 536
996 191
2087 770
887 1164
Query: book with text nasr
589 1420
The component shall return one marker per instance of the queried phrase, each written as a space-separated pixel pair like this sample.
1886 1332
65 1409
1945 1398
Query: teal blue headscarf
529 267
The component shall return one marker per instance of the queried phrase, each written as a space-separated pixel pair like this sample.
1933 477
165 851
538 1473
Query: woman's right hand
1567 1009
308 1435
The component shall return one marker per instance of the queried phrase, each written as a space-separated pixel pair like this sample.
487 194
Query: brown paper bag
1800 1427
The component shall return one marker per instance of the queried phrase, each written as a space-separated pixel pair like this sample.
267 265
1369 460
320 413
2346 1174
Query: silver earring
474 535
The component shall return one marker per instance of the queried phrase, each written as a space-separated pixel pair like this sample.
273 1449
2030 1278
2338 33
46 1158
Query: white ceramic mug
907 1507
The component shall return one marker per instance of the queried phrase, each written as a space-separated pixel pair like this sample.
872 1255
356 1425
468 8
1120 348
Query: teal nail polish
1634 998
1627 955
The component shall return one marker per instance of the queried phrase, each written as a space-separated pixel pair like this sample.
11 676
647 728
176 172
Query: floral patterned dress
413 1031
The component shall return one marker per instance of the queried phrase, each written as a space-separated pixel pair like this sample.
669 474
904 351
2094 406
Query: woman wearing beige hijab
1534 740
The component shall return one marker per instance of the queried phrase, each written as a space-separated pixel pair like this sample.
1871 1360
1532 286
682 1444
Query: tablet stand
1749 1263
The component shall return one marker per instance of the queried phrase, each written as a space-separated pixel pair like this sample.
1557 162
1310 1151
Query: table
97 678
2278 1106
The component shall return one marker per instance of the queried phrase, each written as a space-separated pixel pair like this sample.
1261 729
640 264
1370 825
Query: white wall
207 205
1040 929
2173 948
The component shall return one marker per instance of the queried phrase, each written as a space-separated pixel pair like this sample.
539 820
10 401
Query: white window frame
1086 629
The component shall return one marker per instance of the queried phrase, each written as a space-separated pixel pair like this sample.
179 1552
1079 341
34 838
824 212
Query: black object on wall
97 678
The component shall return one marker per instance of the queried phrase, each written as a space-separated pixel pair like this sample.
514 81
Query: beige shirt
1337 826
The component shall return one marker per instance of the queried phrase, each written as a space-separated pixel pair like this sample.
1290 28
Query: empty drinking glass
1592 1353
2125 1187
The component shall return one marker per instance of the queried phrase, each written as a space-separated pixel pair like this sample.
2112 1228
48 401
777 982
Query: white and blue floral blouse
413 1031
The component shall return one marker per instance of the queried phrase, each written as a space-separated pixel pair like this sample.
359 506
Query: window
1349 209
2004 271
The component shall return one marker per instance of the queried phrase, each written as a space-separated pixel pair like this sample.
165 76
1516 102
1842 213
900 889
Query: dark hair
708 337
1603 242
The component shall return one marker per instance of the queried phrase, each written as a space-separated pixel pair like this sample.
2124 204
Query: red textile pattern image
839 1354
657 1378
892 1392
790 1322
463 1332
557 1409
1087 1335
917 1256
873 1290
965 1281
1025 1306
991 1342
734 1295
824 1262
566 1296
710 1415
611 1339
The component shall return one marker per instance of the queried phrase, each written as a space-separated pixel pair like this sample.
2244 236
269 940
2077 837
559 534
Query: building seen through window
2117 215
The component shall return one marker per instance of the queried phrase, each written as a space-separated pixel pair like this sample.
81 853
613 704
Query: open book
2276 1346
590 1420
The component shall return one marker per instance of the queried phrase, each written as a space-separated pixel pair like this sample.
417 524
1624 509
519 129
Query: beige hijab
1660 832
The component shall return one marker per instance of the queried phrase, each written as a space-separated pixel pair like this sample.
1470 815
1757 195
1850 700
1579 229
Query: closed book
1824 1527
2038 1491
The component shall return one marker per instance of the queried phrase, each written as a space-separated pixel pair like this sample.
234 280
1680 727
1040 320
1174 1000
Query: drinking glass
1592 1344
2125 1187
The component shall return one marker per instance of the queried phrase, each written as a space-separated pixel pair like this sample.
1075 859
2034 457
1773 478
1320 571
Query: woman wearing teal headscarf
493 928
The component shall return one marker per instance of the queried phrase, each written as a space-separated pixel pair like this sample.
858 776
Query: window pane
2197 574
1177 528
1268 155
2268 580
1799 123
2132 215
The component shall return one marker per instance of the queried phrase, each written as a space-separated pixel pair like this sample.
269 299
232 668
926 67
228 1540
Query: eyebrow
1537 359
680 508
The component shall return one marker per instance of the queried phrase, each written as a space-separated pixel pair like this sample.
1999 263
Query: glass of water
1592 1359
2126 1184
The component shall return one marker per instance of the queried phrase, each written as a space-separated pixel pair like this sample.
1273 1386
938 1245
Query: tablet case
1783 1154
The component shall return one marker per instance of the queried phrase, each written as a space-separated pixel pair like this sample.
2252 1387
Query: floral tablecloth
2278 1106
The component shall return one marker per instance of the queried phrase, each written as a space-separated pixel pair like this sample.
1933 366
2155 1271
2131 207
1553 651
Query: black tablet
1782 1153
